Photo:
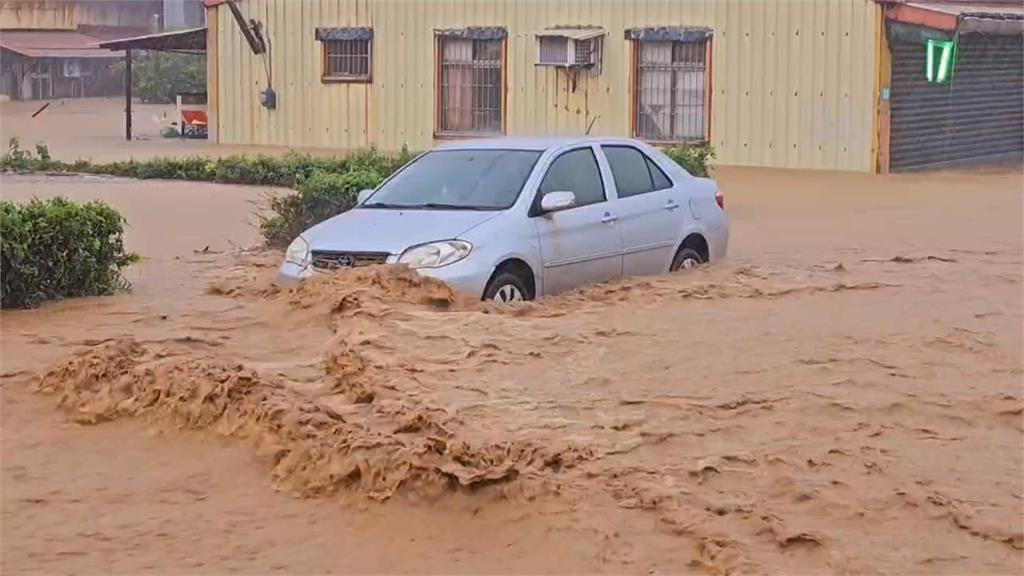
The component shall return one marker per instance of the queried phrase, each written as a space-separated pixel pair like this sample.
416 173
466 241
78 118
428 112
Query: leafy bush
186 168
18 159
288 171
383 164
56 249
256 170
292 169
43 152
320 196
694 158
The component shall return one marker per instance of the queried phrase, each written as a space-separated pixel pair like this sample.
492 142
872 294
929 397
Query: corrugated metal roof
190 39
54 44
989 17
973 8
574 32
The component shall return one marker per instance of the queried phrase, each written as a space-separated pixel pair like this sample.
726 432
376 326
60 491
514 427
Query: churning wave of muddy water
794 449
846 398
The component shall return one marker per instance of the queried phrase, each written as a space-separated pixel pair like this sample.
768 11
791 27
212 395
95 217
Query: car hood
392 231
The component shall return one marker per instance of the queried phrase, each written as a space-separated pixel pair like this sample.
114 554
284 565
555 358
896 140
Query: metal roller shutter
977 115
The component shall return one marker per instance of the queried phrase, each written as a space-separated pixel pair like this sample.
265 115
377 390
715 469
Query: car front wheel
685 259
506 287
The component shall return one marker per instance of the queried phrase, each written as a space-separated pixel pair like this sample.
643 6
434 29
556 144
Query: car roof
539 143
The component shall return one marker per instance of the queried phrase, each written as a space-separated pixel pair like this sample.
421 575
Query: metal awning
986 16
54 44
669 33
473 33
343 33
191 40
573 32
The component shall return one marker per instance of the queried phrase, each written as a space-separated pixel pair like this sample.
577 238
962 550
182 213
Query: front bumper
291 273
462 276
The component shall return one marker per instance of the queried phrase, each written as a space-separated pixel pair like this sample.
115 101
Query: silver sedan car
513 219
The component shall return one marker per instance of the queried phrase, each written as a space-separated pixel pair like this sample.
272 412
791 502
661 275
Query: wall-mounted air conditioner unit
569 47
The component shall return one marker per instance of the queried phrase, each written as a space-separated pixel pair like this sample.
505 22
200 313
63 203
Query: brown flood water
844 395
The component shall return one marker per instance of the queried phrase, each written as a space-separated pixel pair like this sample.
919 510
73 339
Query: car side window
575 171
661 181
630 170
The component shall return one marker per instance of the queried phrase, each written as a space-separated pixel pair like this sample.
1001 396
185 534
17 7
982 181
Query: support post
212 75
128 95
881 141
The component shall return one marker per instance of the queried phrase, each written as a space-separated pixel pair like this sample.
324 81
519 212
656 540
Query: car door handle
671 205
608 218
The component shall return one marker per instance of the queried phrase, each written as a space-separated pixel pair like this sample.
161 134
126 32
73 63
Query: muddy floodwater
843 395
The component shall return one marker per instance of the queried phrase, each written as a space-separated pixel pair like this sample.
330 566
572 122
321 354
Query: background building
799 84
48 48
973 113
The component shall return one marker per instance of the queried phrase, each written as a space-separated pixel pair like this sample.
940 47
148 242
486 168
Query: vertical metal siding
979 113
793 81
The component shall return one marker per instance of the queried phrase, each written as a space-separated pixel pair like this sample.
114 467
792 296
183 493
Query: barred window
671 89
347 60
470 86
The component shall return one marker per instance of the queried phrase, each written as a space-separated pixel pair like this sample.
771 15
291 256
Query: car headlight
435 254
298 252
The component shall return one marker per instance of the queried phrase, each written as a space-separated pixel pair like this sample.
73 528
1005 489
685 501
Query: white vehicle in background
513 219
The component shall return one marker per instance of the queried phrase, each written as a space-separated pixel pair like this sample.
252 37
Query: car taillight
719 199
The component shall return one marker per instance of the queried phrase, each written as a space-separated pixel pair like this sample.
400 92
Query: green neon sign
940 58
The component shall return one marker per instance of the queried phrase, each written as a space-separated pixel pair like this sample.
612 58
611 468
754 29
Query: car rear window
661 181
634 172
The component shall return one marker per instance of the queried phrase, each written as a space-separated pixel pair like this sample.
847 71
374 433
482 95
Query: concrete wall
794 80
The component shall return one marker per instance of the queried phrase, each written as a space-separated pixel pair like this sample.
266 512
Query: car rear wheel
685 259
506 287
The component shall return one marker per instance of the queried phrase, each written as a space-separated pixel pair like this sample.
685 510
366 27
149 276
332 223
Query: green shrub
188 168
43 152
56 249
18 159
320 196
257 170
292 169
288 171
381 163
694 158
299 167
125 169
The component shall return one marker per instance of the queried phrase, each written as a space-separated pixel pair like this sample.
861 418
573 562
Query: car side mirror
363 195
555 201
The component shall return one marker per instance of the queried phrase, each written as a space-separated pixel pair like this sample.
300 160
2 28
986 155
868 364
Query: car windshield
458 180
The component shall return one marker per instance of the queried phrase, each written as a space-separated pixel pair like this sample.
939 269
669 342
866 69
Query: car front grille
330 260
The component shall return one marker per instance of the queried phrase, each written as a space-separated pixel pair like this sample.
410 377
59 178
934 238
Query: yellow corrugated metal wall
793 79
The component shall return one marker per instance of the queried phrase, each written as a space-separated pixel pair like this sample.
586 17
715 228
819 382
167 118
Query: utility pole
128 95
